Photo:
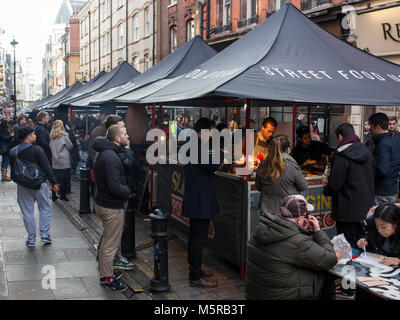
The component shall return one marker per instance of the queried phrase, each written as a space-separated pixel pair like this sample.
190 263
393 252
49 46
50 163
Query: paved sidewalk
21 267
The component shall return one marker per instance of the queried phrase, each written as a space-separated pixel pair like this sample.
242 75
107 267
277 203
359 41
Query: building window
251 8
108 42
136 27
96 49
120 3
280 4
95 20
146 22
82 28
135 62
120 36
173 38
227 12
190 29
146 61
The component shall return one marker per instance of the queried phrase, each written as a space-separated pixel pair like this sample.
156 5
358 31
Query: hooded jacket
387 156
60 150
285 261
112 190
351 182
290 182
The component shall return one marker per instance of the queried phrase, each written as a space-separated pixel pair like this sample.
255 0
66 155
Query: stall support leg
294 126
87 124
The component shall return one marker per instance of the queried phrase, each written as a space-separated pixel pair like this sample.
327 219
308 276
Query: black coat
43 139
387 157
313 152
112 190
351 183
199 200
5 139
35 154
378 244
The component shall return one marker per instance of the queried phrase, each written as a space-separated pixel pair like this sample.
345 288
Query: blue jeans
5 161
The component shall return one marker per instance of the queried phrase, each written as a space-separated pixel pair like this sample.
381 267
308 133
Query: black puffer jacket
112 190
351 183
285 261
43 139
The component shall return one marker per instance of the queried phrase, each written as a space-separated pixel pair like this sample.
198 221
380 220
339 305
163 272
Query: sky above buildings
30 21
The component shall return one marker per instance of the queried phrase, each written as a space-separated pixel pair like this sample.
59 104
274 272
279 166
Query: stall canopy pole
309 116
69 114
153 118
87 124
159 115
294 126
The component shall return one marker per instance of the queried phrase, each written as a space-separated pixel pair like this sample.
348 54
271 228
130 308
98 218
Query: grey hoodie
60 150
273 192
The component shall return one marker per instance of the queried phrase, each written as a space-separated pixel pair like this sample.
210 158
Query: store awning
291 59
187 57
63 94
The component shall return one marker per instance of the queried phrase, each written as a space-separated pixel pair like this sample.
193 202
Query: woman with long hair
60 146
5 138
278 176
382 234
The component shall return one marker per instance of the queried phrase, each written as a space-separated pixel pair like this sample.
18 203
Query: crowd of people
287 254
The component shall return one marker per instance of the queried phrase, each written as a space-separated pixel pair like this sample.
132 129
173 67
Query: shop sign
391 31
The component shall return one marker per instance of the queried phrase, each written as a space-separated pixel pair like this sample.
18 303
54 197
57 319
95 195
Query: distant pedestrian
5 139
61 148
111 197
368 139
98 131
287 262
387 157
350 183
42 133
278 176
26 197
393 127
21 123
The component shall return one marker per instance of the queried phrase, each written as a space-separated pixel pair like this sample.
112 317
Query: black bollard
159 233
84 199
128 245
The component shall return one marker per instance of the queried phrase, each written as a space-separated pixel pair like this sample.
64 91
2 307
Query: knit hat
295 206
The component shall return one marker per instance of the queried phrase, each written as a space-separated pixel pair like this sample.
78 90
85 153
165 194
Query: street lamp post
14 44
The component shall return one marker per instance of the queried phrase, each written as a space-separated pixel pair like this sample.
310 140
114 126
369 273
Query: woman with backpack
5 138
61 146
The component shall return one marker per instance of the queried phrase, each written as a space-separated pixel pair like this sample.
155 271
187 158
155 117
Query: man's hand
56 187
313 223
362 243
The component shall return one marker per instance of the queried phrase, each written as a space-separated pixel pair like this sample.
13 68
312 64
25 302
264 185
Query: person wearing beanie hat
28 152
285 261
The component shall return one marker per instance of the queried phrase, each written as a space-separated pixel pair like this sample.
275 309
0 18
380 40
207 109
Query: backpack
24 173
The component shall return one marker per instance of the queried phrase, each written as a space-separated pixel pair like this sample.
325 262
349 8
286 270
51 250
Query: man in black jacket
26 197
42 133
350 183
111 195
21 123
128 161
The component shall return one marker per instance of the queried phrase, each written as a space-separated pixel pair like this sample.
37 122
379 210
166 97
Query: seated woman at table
278 175
285 261
383 234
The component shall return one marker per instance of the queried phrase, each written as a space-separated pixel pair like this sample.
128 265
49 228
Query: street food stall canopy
182 60
37 103
289 58
79 91
62 95
119 75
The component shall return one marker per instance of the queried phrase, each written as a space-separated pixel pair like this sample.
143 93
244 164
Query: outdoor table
364 292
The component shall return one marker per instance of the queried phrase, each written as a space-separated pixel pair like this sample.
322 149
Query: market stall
288 60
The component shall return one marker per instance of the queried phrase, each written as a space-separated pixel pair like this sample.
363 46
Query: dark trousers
197 241
63 176
352 231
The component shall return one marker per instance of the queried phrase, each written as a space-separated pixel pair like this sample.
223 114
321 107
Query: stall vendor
264 136
307 151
